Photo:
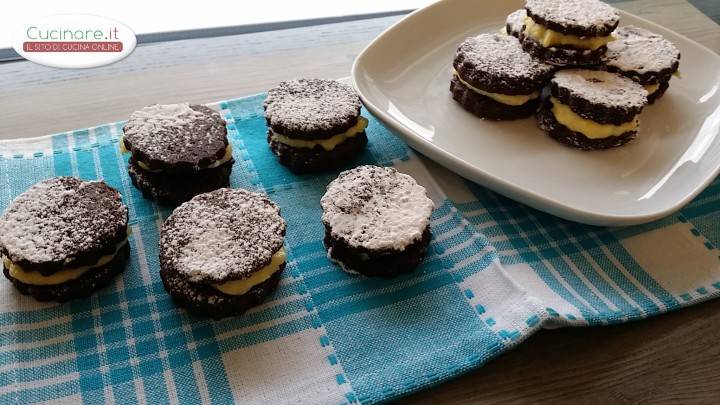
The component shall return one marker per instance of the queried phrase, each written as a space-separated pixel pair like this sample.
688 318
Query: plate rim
505 187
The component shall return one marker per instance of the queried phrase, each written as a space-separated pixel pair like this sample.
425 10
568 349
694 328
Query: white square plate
403 77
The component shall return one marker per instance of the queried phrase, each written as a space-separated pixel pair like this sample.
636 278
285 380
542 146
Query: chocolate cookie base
317 159
202 299
176 188
650 77
659 92
377 263
487 108
564 135
84 286
562 56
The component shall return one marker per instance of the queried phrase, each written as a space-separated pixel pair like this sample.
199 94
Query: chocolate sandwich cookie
64 238
377 221
589 109
178 151
568 32
314 124
644 57
515 22
495 79
222 252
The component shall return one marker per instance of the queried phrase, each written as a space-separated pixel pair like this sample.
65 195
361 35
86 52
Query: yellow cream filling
593 130
62 276
547 37
225 158
651 88
501 98
327 144
240 287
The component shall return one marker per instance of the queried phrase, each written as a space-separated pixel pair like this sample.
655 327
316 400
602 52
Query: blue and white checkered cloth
496 272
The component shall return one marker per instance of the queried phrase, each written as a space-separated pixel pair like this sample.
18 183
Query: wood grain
672 358
197 70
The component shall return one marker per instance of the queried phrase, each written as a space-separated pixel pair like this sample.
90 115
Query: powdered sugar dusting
157 117
639 50
376 208
222 235
515 21
600 87
582 13
170 132
308 105
501 56
59 219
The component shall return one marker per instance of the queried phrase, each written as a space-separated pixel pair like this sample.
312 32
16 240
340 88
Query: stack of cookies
567 62
314 125
64 238
177 151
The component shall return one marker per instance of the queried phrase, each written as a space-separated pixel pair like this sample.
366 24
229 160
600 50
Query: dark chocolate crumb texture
487 107
568 32
591 109
222 252
59 233
172 189
314 124
495 79
644 57
377 221
172 142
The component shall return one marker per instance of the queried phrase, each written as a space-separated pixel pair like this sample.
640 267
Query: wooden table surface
675 357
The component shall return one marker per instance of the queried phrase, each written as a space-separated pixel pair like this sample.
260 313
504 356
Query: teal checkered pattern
496 272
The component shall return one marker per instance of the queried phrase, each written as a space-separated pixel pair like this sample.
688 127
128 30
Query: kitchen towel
496 271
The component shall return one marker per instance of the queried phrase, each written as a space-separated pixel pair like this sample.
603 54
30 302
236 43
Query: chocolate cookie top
376 208
60 222
598 95
311 108
497 63
176 136
574 17
641 54
515 22
221 235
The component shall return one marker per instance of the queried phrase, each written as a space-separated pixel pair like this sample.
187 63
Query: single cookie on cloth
515 22
495 79
222 252
644 57
64 238
314 124
377 221
568 32
178 151
590 109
